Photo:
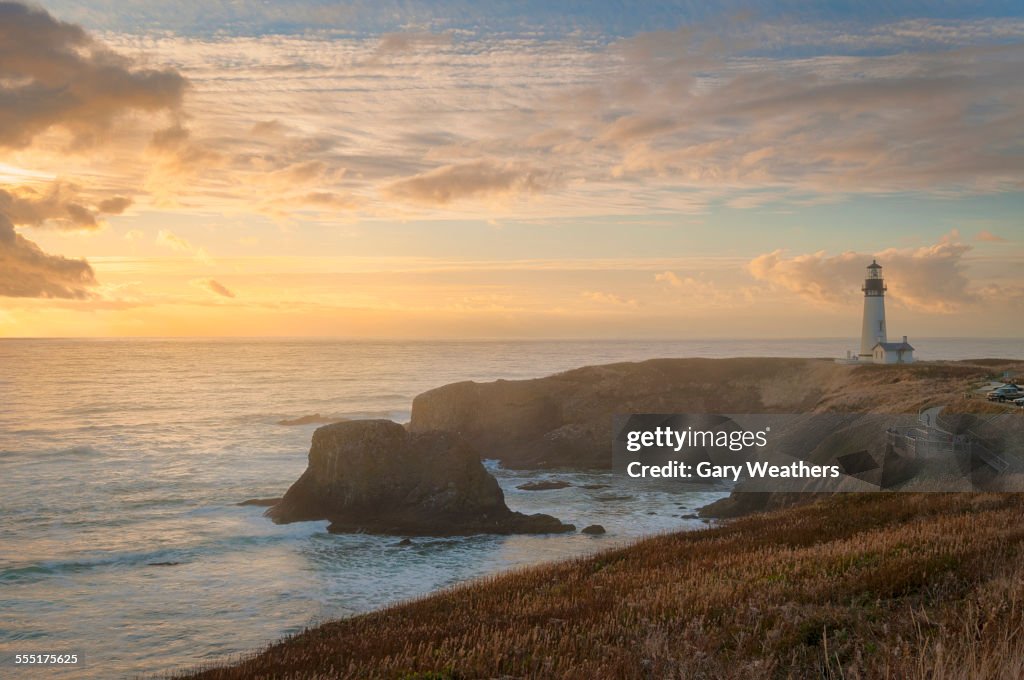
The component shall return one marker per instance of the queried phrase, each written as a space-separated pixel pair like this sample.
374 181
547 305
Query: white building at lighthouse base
893 352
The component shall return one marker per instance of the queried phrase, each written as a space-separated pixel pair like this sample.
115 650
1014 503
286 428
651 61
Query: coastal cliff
427 478
565 420
374 476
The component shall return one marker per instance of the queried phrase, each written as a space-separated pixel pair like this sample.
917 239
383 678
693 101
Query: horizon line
382 338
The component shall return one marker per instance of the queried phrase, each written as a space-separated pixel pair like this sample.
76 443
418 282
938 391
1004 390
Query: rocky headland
427 477
565 420
375 476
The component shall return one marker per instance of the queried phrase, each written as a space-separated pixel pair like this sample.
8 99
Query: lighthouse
874 348
873 327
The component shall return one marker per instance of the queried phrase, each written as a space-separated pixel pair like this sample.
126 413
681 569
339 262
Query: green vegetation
857 586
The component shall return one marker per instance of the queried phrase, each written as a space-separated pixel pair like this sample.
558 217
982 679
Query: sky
509 169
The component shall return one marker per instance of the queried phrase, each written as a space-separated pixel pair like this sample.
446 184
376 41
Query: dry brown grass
864 586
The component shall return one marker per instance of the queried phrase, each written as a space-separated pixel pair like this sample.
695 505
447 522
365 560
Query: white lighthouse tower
873 328
874 348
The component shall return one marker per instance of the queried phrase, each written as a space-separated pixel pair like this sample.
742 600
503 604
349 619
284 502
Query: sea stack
374 476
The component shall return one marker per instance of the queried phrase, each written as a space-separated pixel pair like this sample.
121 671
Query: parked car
1019 401
1005 393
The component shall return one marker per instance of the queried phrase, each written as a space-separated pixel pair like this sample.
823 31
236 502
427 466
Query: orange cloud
215 287
930 278
171 240
671 278
609 298
988 237
115 205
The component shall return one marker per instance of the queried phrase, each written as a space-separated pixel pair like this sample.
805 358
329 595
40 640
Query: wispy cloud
605 298
586 121
477 179
168 239
215 287
171 240
987 236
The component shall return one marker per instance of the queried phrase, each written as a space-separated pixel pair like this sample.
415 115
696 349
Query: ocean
122 463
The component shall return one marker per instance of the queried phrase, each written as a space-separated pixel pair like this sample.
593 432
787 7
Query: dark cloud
178 158
53 74
26 271
171 138
58 207
115 205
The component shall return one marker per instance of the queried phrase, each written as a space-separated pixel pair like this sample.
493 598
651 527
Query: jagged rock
374 476
544 485
594 530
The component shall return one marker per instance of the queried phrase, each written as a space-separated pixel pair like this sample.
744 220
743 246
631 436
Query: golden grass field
854 586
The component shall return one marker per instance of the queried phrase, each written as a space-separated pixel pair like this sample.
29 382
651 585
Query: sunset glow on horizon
300 169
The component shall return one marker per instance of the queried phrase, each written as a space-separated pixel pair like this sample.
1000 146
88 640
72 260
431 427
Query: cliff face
375 476
565 420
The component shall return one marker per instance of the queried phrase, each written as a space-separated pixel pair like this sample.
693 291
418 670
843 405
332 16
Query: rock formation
565 420
375 476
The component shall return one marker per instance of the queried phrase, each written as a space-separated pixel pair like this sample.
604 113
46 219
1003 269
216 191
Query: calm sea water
121 462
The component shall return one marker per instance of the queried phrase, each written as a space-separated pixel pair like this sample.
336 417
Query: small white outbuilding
893 352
